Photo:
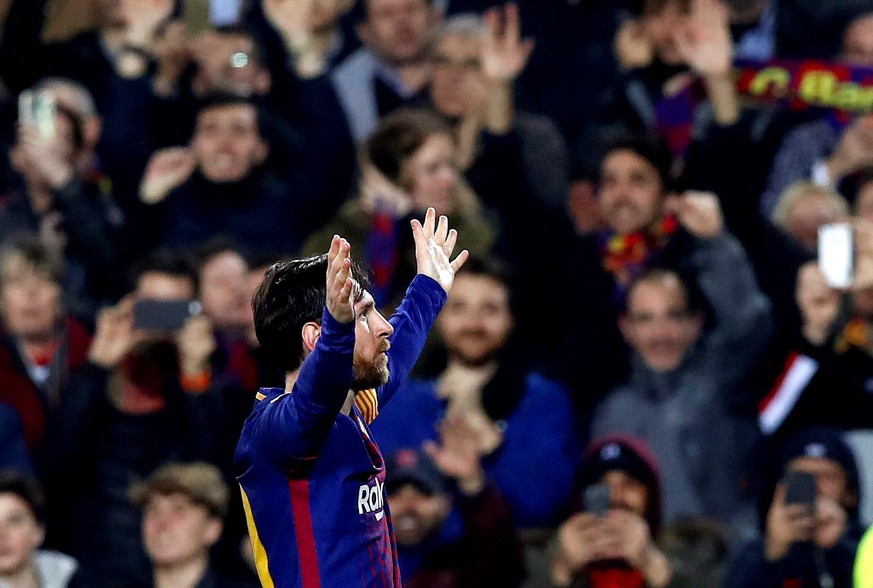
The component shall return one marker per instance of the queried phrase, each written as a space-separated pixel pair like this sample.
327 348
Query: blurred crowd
646 375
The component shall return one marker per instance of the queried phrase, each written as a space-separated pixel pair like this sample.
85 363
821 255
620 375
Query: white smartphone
836 254
44 114
25 107
38 110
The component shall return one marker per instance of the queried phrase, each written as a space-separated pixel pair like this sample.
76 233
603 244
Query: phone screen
597 499
163 315
835 254
800 488
38 110
44 114
25 107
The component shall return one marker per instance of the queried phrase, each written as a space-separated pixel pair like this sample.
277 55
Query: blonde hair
201 482
800 190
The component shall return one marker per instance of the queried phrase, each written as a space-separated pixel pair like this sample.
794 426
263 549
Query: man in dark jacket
807 545
143 397
220 187
452 527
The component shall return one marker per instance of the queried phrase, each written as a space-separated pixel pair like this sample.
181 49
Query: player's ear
311 332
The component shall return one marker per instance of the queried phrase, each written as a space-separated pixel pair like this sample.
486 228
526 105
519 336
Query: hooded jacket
630 455
685 415
806 565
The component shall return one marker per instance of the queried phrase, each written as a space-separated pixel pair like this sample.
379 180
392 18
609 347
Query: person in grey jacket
684 378
22 530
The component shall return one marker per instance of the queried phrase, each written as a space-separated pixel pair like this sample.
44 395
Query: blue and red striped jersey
312 477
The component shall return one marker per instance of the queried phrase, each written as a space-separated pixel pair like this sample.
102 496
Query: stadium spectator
804 207
685 380
522 420
408 164
57 192
453 528
41 344
615 546
144 397
218 187
392 69
309 37
827 150
112 62
807 543
22 530
183 508
476 62
832 352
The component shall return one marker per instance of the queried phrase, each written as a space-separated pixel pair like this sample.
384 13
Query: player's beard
369 374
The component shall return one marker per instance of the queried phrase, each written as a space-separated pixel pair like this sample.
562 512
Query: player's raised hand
434 244
339 281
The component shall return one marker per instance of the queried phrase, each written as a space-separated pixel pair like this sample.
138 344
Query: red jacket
18 390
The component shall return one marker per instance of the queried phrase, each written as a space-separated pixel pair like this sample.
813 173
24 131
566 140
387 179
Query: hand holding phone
800 488
37 109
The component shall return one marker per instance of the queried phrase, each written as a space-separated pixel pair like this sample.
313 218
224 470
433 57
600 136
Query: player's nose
383 328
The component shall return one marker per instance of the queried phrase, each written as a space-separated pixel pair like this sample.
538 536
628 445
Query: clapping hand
434 244
458 454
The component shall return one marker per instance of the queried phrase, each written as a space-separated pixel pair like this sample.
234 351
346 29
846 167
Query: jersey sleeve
295 425
413 320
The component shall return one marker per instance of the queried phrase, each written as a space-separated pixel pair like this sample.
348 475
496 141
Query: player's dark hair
292 294
25 488
649 147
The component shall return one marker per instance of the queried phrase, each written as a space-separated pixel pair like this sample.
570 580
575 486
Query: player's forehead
363 300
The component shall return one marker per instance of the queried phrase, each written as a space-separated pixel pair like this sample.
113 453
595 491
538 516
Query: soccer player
311 475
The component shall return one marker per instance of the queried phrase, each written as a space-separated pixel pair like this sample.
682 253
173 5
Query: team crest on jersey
371 499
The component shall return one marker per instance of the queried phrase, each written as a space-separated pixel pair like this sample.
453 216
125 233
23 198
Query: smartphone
38 110
163 315
25 107
836 254
597 499
800 488
196 15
